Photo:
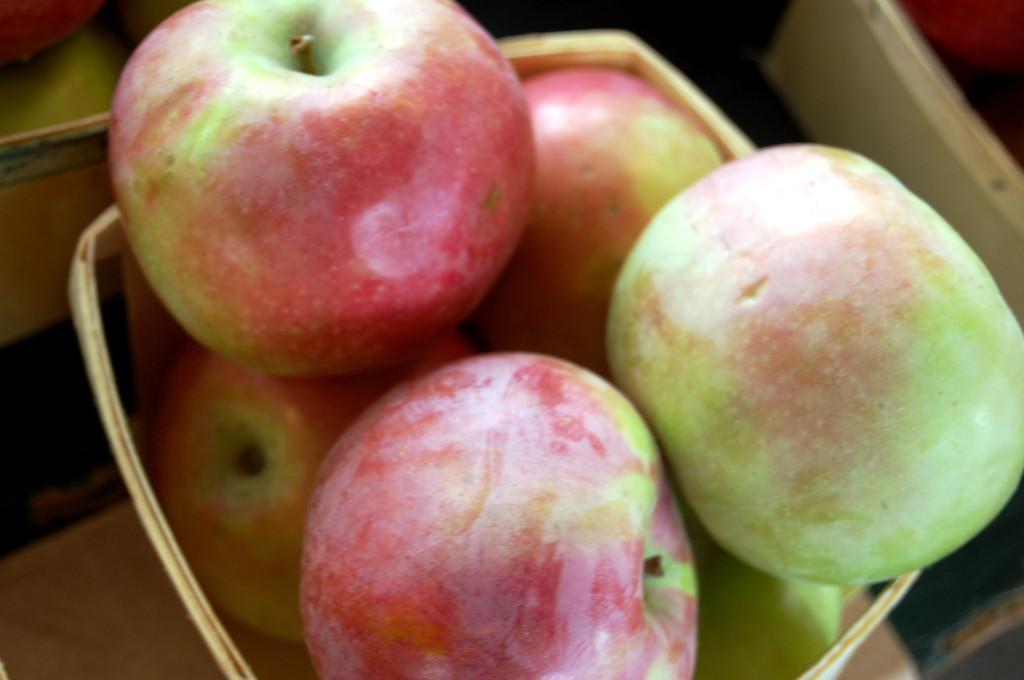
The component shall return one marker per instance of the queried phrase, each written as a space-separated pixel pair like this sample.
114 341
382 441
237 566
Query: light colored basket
857 74
237 652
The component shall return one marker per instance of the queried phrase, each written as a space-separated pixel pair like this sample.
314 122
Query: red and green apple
503 517
832 371
611 150
316 187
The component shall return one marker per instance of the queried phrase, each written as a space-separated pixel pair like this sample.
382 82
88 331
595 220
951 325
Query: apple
233 458
610 151
72 80
503 517
139 17
1003 110
27 26
988 33
755 626
317 187
832 371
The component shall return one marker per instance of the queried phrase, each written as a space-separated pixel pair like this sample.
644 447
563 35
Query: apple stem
302 45
653 566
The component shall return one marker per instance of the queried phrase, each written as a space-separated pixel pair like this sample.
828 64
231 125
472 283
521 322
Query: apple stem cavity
653 566
302 45
251 461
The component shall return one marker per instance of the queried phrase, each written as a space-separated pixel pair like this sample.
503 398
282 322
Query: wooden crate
857 74
52 182
241 654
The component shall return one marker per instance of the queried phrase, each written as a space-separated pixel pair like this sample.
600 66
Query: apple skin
311 224
496 519
74 79
139 17
831 370
610 152
755 626
233 459
27 26
987 33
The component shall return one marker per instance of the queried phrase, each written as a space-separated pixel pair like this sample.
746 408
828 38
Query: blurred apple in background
503 517
1003 110
988 33
27 26
73 79
233 457
317 187
754 626
139 17
610 151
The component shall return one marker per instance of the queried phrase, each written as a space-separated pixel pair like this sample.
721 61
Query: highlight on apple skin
832 371
233 459
611 150
319 187
503 517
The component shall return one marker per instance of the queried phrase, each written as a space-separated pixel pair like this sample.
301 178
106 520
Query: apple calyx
251 460
653 566
302 46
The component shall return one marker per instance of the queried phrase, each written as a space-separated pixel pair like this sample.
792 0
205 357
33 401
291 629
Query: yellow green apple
755 626
74 79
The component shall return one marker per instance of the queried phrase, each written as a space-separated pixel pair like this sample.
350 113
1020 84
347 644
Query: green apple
139 17
74 79
755 626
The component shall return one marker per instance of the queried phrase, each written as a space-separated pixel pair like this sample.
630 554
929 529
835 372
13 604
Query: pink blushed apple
233 457
320 187
502 517
28 26
611 150
833 373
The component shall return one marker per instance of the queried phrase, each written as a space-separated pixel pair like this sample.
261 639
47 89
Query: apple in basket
831 370
233 459
320 187
503 517
755 626
27 26
610 152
